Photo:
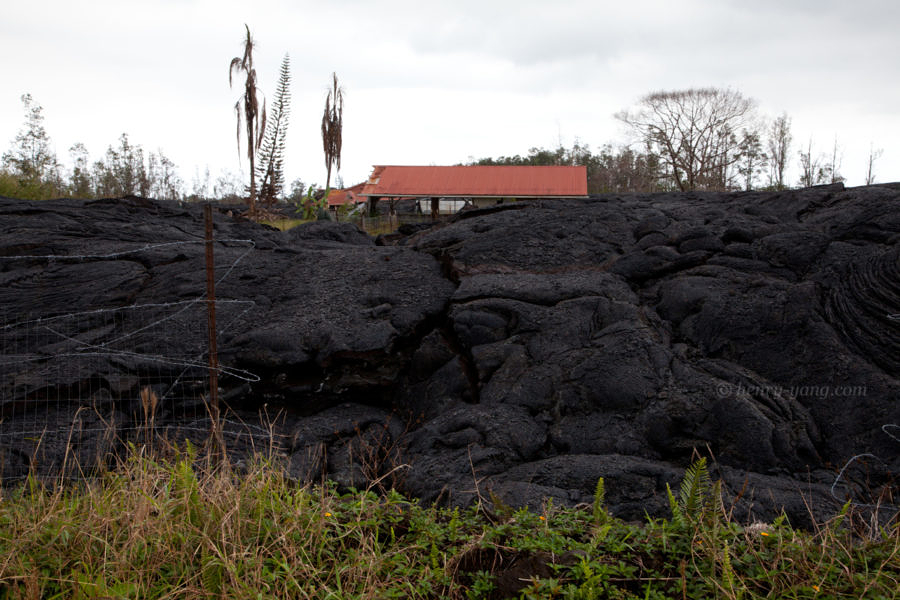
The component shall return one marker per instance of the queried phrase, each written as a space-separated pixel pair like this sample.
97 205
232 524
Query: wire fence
76 388
386 224
865 466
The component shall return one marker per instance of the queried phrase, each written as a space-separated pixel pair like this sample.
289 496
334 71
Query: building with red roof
337 198
480 185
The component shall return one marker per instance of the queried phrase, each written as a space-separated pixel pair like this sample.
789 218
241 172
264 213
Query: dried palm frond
248 110
332 125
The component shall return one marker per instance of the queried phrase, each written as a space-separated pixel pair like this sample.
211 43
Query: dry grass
189 528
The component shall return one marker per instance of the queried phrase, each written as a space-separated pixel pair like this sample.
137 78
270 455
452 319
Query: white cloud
441 81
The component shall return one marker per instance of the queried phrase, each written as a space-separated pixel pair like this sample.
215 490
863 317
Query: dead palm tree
332 123
247 109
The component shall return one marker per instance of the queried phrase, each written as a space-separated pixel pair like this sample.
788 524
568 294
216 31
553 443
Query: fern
839 519
600 514
694 489
212 574
698 496
716 505
674 507
727 569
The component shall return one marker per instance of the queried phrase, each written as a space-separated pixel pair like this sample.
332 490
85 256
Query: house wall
485 202
446 207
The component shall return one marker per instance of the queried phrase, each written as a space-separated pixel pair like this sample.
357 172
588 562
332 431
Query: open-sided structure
478 185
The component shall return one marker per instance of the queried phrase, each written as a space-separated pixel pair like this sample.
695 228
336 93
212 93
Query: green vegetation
284 224
32 170
310 205
609 170
181 528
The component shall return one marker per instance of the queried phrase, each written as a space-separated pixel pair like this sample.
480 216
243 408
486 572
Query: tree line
31 170
696 139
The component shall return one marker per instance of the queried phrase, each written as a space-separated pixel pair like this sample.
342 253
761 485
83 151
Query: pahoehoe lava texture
528 349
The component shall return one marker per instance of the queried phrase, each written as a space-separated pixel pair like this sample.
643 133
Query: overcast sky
443 82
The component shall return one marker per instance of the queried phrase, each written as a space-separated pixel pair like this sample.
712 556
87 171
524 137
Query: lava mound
526 350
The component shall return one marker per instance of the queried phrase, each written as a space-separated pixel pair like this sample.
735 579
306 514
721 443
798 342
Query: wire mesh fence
386 224
78 387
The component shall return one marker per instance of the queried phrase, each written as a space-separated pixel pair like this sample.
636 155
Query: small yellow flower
542 518
328 514
765 533
815 587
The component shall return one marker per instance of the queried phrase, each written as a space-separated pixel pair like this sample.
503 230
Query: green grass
180 528
285 224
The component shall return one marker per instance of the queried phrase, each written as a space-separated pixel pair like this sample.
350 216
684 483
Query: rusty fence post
215 425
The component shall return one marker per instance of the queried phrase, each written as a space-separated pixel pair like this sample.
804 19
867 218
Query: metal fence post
215 428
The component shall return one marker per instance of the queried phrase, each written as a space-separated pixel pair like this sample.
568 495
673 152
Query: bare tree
247 109
837 156
165 182
779 143
695 133
332 124
813 169
228 186
873 156
199 185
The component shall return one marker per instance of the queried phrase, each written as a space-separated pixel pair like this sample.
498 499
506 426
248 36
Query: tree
122 172
694 132
270 170
332 125
125 171
752 160
247 109
199 186
624 170
813 171
228 186
609 171
31 160
873 156
9 186
298 192
836 159
779 144
163 182
80 183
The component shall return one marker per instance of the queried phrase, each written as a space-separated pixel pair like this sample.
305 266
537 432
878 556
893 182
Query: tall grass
187 528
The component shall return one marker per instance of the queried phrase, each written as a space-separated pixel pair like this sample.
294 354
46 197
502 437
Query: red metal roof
340 197
477 181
